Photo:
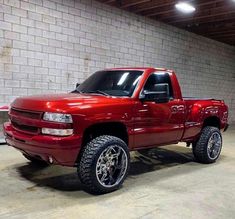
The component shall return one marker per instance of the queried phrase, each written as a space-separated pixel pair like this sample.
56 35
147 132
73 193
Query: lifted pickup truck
113 112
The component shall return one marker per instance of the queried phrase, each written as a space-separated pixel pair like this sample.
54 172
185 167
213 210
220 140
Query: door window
158 78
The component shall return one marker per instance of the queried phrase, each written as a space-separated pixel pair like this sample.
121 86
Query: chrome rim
214 145
111 166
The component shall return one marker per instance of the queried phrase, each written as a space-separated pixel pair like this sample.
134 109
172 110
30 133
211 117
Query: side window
158 78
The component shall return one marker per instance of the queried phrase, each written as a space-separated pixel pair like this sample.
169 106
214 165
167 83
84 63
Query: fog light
57 132
50 160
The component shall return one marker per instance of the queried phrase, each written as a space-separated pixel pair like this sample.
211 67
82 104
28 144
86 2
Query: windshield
113 83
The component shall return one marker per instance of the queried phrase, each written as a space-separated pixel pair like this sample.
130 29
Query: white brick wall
46 46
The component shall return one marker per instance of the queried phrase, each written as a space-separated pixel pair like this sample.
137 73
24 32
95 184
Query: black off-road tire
200 148
35 161
88 162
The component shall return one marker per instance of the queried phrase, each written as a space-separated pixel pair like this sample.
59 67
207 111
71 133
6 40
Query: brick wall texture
46 46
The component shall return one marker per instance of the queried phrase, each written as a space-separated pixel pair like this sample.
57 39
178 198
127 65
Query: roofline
138 68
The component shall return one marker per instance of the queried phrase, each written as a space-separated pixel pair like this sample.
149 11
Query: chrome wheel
111 166
214 146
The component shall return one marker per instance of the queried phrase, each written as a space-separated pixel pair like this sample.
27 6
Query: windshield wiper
99 92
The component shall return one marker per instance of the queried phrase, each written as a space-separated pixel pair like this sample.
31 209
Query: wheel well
116 129
110 128
212 121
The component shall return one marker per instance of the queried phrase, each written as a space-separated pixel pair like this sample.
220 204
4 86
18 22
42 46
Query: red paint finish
147 124
4 108
64 150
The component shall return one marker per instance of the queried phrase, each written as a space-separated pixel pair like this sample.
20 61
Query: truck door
158 123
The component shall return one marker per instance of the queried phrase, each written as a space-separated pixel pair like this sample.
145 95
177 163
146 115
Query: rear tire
208 147
104 164
36 161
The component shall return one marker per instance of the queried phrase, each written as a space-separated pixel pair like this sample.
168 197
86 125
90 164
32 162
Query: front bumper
63 150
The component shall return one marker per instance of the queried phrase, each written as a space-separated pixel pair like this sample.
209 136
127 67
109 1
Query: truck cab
111 113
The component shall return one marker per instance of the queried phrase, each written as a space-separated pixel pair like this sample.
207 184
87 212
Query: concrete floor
170 186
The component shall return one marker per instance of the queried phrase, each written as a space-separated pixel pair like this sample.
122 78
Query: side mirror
160 93
77 85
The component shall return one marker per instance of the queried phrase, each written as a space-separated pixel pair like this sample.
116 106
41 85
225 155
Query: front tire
208 147
104 164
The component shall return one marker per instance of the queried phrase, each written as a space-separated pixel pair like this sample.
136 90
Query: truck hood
64 102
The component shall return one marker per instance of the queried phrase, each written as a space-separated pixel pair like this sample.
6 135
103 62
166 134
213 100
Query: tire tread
200 147
87 163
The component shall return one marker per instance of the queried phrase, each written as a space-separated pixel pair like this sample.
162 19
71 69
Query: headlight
58 117
57 132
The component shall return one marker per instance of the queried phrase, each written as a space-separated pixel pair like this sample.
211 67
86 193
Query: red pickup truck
113 112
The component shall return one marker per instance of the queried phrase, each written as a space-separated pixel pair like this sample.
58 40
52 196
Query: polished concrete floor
167 184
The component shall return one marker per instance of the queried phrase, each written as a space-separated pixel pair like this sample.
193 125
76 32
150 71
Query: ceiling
213 18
